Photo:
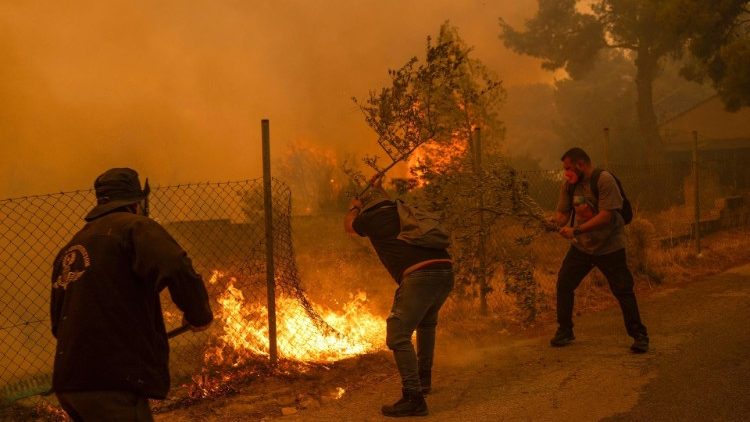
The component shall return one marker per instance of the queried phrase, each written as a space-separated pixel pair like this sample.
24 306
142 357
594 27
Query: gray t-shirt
608 239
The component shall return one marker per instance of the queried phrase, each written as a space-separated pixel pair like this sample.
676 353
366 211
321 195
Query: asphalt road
697 370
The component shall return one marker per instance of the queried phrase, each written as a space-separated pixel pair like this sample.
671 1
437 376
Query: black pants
614 266
110 406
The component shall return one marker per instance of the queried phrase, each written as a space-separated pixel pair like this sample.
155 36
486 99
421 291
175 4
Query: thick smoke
177 89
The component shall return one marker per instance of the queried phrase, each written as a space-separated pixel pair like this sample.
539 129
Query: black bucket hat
116 188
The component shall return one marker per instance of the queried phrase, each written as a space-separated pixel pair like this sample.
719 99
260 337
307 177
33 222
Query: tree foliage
649 31
721 53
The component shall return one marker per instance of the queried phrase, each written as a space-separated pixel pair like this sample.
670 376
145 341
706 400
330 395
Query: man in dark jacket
112 353
425 278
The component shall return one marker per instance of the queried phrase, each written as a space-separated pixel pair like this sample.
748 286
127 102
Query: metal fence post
483 288
270 271
697 195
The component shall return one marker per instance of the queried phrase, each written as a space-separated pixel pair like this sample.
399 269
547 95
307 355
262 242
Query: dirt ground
697 370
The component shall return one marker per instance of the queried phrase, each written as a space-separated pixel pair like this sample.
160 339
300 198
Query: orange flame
354 330
439 157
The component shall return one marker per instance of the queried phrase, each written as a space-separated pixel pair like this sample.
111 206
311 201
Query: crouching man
112 353
425 278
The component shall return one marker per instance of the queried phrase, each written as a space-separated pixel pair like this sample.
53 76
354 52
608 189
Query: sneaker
411 404
640 344
562 338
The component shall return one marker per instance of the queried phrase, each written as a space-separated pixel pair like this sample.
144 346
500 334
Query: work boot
562 337
640 344
411 404
425 381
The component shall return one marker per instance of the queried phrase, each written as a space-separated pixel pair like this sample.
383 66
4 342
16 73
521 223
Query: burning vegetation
350 332
306 336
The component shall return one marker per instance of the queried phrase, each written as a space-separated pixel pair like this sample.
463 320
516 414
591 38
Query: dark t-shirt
381 225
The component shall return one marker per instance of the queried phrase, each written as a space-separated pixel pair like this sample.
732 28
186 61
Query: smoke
177 89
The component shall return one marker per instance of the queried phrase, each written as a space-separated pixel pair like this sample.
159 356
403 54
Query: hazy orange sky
176 89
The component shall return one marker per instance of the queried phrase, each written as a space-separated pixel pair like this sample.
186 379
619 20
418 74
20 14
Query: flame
353 330
437 157
339 393
215 276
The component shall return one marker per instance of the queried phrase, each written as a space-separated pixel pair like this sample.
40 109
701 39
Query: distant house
723 139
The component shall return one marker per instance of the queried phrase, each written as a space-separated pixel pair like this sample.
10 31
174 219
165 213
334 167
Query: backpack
420 227
627 209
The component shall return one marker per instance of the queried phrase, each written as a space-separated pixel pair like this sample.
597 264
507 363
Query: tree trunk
646 69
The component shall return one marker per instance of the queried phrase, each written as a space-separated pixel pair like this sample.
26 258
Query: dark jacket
105 308
382 225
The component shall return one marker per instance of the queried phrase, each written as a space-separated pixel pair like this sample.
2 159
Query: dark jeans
110 406
614 266
415 307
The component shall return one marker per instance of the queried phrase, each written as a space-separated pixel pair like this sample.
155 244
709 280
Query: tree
439 100
443 100
647 30
722 54
607 98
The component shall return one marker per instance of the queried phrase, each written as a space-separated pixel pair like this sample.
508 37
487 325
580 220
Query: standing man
112 352
425 278
598 241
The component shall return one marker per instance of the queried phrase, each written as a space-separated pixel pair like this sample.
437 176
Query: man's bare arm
601 219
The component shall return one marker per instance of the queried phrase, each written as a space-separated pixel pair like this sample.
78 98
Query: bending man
425 278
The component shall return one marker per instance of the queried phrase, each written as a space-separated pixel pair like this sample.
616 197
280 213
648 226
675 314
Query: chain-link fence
220 225
32 229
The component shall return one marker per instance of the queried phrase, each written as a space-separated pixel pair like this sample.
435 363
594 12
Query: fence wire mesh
220 225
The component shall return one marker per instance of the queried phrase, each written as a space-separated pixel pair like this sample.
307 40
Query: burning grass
308 336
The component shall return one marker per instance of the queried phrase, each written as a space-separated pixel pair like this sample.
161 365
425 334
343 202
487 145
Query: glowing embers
314 335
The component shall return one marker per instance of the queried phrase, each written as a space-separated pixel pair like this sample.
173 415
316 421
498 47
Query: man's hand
567 232
355 203
194 328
